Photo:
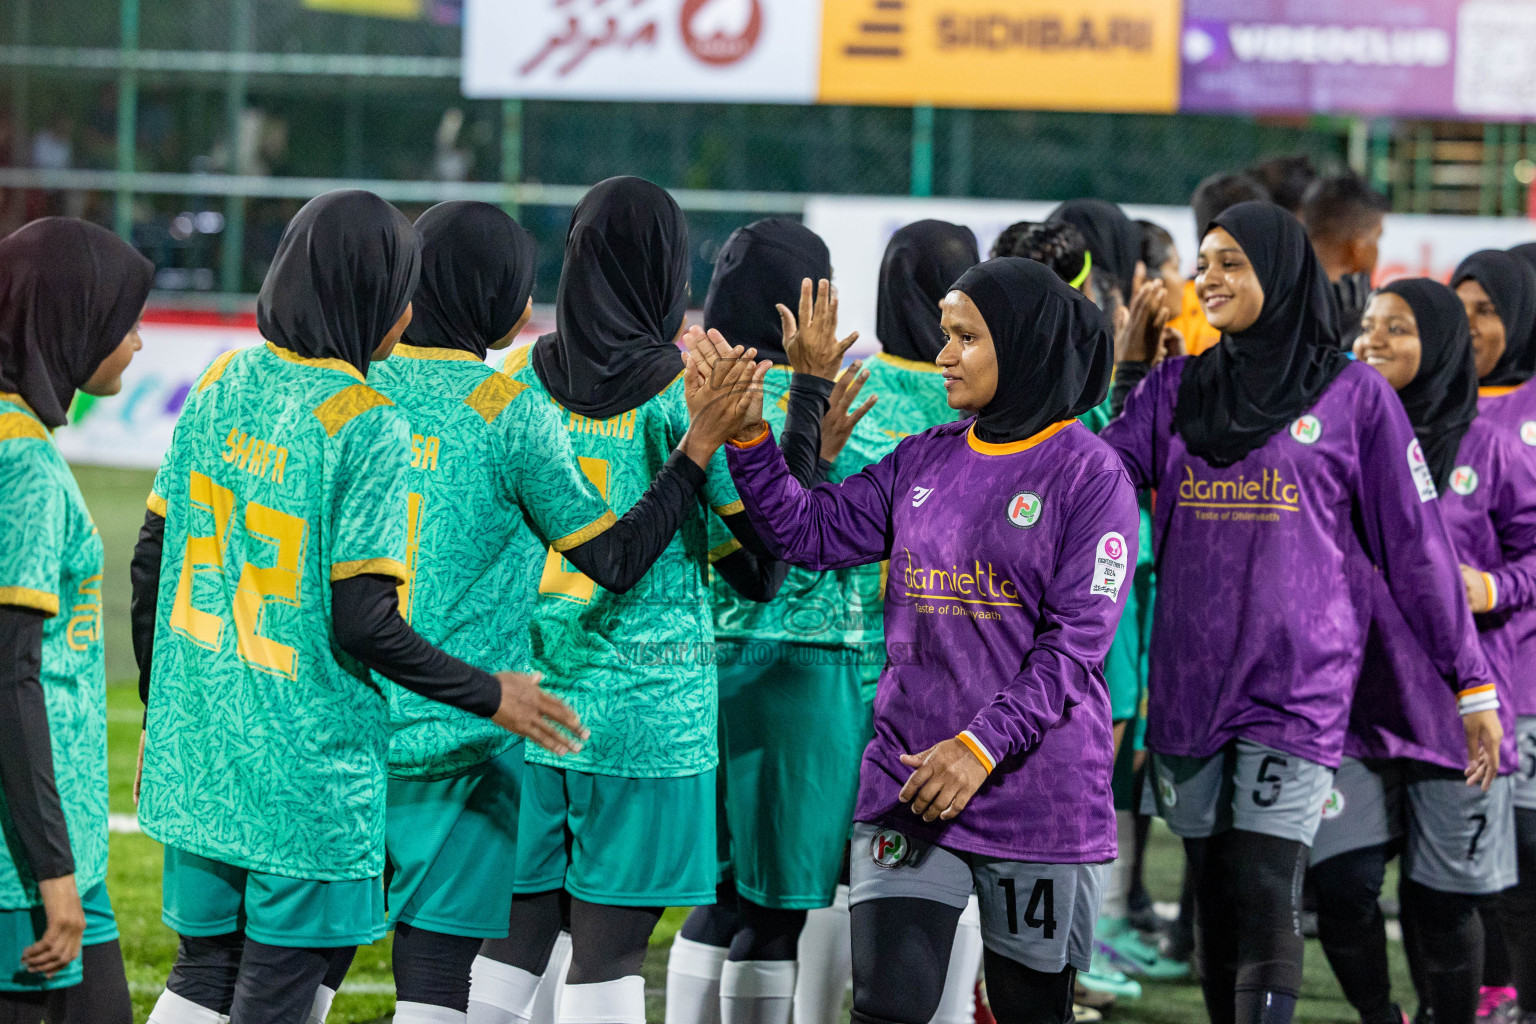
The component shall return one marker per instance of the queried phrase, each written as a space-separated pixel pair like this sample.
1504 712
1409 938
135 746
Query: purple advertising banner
1323 56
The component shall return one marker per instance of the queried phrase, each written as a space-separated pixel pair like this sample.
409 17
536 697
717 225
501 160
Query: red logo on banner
721 32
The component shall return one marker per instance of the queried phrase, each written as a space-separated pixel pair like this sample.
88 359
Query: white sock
757 991
604 1002
171 1008
324 997
825 964
546 1005
426 1013
500 993
1117 887
958 1003
693 982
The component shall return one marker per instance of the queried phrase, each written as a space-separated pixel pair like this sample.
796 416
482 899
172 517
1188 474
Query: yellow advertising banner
1120 55
375 8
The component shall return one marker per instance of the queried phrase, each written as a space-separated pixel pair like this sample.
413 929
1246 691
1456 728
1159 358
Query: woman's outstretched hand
811 341
723 385
1139 339
838 423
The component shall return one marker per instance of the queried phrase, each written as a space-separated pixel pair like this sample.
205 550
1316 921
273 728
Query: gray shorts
1246 786
1458 838
1525 773
1041 915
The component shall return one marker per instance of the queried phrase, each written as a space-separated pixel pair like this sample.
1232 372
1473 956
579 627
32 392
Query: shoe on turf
1085 1014
1103 978
1492 1001
1127 951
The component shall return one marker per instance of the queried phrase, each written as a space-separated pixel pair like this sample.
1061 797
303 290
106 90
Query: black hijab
477 268
921 264
623 292
1113 238
343 274
1054 349
1511 284
1442 397
69 292
760 265
1248 387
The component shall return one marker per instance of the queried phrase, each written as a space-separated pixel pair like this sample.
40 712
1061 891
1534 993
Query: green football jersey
494 485
638 667
267 744
822 608
912 399
51 561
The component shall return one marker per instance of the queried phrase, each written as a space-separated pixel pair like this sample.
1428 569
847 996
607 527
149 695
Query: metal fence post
127 117
511 149
922 150
232 249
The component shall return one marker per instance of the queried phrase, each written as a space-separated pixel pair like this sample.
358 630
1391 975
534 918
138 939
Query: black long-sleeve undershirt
618 557
1128 374
365 617
26 749
751 570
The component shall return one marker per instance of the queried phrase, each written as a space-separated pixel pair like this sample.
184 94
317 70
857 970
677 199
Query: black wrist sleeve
26 749
365 614
809 398
144 575
1127 376
750 570
621 554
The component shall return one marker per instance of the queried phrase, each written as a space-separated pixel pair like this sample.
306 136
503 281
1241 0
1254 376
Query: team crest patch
1167 791
1463 480
1109 566
889 848
1528 432
1307 430
1333 805
1024 509
1423 479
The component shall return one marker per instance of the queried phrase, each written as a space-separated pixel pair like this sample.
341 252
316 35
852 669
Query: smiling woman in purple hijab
1009 537
1283 471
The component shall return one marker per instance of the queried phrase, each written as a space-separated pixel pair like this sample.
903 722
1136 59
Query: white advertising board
695 50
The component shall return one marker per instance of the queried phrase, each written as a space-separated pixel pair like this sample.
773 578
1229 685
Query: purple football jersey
1263 599
1404 707
1007 564
1513 411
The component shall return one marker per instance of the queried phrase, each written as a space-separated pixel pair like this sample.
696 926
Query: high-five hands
723 385
811 341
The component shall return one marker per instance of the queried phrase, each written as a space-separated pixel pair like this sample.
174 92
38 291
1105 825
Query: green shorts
20 928
451 845
617 841
202 897
793 728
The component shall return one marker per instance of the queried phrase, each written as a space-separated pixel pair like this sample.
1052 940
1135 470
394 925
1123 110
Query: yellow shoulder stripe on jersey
15 399
347 404
340 365
216 368
156 504
15 425
405 351
363 567
914 365
586 533
674 380
26 597
516 360
731 509
493 395
730 547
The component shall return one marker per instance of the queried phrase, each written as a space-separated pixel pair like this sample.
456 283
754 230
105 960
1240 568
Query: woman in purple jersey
1498 291
1401 783
1009 537
1275 461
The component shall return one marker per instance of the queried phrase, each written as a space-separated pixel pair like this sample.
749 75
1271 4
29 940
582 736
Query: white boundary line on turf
127 824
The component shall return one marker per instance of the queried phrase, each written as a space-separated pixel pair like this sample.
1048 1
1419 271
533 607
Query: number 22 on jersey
562 579
256 585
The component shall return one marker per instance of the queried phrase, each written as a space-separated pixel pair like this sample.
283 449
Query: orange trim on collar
1013 447
1498 391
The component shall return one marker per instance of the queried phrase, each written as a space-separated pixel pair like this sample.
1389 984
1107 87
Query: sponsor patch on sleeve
1109 566
1423 479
